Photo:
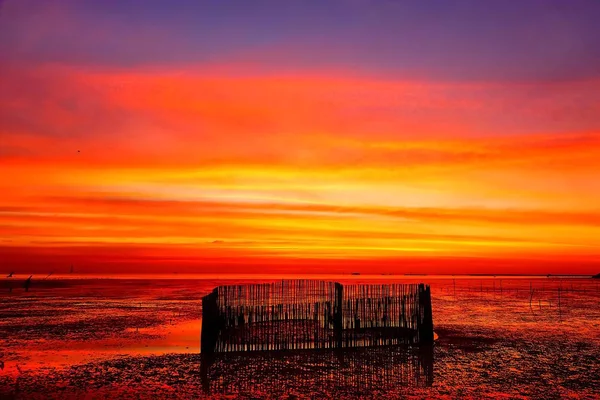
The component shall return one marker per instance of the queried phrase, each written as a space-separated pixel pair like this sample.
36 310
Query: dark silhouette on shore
310 314
27 283
597 276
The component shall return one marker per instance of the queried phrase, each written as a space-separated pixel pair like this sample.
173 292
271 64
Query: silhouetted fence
310 314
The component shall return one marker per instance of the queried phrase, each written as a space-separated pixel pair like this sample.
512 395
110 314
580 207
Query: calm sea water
131 336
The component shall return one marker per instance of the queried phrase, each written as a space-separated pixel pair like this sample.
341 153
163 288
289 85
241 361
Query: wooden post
210 323
337 323
426 329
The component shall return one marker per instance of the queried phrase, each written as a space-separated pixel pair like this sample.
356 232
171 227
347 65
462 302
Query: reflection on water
355 372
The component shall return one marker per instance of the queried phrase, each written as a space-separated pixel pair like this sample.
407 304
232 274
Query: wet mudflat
132 338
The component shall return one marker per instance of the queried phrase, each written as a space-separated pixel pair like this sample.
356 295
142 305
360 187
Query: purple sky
434 40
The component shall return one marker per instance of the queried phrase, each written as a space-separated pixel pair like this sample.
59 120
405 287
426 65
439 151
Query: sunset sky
300 136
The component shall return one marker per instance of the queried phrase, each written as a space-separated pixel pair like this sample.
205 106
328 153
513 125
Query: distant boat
355 273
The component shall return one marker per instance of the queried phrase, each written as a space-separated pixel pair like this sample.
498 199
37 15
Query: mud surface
139 339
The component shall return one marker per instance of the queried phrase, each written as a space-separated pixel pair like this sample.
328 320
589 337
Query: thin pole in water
559 310
454 284
530 295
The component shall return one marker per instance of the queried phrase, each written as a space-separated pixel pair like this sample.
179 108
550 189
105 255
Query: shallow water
106 338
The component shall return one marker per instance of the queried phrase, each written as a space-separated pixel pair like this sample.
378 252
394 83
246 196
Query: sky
300 136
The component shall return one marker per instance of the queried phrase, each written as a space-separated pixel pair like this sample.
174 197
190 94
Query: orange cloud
197 166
